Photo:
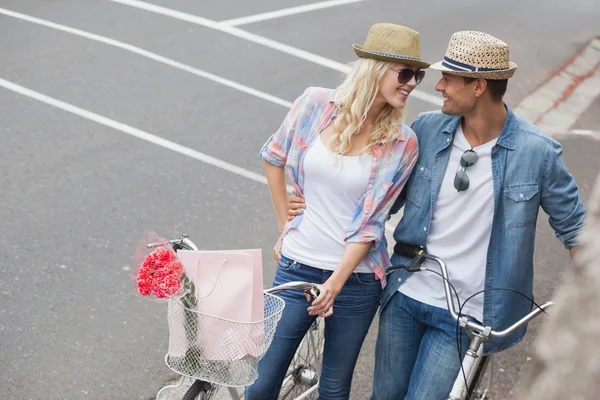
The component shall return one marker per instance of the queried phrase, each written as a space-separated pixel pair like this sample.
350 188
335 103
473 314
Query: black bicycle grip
406 250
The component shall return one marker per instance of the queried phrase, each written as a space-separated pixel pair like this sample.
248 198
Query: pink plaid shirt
392 165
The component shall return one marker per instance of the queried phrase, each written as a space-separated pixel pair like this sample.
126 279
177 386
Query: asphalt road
76 196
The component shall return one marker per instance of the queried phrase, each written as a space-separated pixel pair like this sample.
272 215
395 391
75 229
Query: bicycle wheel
305 369
481 383
200 390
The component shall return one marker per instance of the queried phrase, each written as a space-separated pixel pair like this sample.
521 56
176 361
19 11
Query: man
473 200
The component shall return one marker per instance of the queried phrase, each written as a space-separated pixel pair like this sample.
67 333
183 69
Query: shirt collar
507 135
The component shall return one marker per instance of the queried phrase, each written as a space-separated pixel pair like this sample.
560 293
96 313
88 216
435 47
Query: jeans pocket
366 279
285 264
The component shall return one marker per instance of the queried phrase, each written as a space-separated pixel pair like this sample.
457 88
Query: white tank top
333 188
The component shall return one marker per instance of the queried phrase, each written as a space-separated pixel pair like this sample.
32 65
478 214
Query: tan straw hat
390 42
475 54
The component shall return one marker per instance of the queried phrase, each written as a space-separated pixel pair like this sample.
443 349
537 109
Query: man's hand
295 206
573 251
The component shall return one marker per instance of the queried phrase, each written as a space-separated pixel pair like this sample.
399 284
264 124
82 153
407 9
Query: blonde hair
355 97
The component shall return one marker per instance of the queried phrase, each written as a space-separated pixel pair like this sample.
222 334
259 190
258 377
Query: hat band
461 67
393 55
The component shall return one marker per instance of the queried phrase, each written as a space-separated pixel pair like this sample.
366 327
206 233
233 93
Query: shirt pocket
522 204
419 185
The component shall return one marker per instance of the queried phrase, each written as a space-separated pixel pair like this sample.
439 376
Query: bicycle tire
306 363
478 377
194 391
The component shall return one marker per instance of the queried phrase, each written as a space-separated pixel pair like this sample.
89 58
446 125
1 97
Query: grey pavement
76 196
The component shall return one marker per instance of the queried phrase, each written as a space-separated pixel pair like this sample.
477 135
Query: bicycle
302 379
468 381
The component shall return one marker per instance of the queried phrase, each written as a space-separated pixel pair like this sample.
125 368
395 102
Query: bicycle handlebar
308 288
418 256
183 243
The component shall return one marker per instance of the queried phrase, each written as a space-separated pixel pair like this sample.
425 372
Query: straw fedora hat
390 42
475 54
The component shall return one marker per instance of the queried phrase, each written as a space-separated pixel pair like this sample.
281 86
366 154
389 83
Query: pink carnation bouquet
158 274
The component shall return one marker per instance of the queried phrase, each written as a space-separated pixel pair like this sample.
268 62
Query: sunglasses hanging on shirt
461 180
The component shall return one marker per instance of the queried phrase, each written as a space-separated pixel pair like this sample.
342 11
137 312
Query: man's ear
480 86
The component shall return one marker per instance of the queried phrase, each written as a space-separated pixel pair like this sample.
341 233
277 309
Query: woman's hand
323 304
295 206
277 250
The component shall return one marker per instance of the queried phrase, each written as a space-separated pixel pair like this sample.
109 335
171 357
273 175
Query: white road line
150 55
251 37
584 132
574 133
287 11
148 137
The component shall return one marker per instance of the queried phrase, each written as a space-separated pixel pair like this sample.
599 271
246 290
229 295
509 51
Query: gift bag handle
215 282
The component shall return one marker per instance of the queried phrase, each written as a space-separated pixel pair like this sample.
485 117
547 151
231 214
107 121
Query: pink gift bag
228 285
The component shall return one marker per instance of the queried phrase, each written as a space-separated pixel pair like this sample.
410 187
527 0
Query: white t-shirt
461 227
333 187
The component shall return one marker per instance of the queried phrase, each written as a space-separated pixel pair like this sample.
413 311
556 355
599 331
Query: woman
349 155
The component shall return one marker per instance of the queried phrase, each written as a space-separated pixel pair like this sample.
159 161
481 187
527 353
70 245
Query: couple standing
471 180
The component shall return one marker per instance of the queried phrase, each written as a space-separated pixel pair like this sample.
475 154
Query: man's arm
560 199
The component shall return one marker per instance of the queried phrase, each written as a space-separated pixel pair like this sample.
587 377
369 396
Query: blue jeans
353 311
416 356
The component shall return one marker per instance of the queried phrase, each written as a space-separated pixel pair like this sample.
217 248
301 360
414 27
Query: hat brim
358 49
493 75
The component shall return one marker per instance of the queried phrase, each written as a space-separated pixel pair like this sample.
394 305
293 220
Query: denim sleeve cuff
569 238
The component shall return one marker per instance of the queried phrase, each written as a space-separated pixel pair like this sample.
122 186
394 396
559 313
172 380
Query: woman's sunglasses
406 74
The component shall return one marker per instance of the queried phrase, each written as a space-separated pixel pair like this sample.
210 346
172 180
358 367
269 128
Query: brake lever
415 263
313 292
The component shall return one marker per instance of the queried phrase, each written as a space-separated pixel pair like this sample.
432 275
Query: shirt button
422 169
424 229
521 195
447 140
370 185
399 279
374 158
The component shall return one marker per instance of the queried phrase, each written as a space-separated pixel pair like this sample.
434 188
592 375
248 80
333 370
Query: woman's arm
276 179
275 153
353 255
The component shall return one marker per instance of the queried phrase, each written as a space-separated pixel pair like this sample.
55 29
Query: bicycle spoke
305 369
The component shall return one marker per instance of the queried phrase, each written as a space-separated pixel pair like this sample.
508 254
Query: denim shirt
528 172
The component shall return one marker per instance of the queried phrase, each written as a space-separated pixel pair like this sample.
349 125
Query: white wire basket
217 350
